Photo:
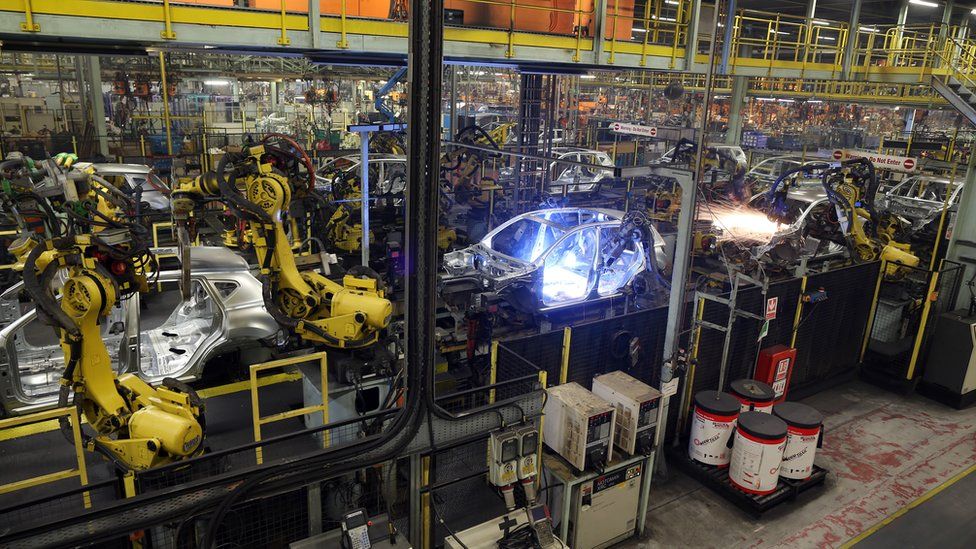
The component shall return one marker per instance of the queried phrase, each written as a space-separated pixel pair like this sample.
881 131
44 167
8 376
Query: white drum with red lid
711 426
757 452
804 434
753 395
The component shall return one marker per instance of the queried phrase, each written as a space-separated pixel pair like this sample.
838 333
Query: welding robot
346 315
101 258
852 187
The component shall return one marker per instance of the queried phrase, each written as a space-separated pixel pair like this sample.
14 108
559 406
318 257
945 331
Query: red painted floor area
883 451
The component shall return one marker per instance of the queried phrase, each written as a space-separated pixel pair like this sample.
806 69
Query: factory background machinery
490 273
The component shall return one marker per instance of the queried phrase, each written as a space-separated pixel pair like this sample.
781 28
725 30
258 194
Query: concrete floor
883 452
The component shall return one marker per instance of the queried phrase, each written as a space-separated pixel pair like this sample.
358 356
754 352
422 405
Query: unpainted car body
812 232
129 177
549 259
387 173
761 176
921 198
224 313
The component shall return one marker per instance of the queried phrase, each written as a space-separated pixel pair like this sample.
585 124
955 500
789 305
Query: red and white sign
634 129
885 161
771 305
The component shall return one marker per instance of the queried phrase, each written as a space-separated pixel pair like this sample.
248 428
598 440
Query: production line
489 274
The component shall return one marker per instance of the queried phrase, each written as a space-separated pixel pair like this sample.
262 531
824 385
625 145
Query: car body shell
804 199
761 176
224 313
155 193
921 198
387 174
495 266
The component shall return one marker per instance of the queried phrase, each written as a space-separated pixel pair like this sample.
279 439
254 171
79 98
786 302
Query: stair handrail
955 55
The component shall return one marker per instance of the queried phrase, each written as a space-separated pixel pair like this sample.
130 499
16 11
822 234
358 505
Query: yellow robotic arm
138 426
347 315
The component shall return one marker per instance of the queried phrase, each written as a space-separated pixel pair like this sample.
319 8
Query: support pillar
946 18
734 134
963 227
315 23
694 14
274 95
96 103
851 45
723 67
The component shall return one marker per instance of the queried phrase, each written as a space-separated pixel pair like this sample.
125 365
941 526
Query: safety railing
787 41
661 28
258 420
79 471
959 60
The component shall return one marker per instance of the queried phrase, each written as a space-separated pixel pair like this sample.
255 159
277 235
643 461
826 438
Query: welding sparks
740 223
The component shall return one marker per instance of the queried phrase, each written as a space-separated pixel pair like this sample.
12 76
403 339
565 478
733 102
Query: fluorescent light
814 101
828 38
818 22
765 99
785 100
209 47
671 19
216 82
672 2
588 77
973 12
499 74
923 3
868 29
640 30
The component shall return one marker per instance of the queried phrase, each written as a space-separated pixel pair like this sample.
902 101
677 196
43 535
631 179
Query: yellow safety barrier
79 470
256 417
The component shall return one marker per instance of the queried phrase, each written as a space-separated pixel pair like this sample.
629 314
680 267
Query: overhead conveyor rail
607 34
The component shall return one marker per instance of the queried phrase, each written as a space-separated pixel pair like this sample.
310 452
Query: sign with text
886 161
634 129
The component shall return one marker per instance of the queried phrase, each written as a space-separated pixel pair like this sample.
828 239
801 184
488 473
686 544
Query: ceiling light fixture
216 82
923 3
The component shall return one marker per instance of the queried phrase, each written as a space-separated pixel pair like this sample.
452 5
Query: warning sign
771 305
634 129
885 161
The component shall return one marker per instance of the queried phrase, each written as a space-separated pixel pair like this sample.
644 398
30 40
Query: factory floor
899 477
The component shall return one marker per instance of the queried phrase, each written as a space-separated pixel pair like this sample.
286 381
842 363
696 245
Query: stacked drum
711 427
753 395
759 442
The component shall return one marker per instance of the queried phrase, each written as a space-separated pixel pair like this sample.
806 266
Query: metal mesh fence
68 502
744 344
543 350
905 315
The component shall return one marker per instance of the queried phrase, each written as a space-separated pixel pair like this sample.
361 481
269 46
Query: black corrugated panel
590 347
831 332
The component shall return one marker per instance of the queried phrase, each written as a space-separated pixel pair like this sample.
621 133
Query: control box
637 409
504 454
775 366
604 510
579 426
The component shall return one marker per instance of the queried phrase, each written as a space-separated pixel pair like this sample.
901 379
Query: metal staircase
958 86
960 95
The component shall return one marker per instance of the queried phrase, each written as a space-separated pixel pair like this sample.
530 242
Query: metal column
851 45
364 195
691 48
723 67
96 103
165 91
964 230
734 134
315 23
